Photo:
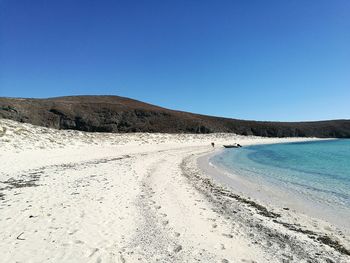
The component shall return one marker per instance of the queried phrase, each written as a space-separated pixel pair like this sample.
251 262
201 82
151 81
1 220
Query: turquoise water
318 171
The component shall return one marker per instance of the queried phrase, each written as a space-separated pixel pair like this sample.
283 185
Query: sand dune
70 196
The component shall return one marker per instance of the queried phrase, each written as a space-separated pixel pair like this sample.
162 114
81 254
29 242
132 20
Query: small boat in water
233 145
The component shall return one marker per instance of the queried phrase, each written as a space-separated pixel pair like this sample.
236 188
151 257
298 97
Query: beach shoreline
92 197
272 195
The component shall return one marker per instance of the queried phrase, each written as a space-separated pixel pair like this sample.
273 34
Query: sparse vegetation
2 131
20 131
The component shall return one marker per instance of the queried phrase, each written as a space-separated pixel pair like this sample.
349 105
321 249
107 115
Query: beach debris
177 248
93 252
334 244
19 236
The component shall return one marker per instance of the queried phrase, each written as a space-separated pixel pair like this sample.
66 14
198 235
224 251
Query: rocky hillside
118 114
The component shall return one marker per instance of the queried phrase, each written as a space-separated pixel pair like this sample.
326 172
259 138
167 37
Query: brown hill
118 114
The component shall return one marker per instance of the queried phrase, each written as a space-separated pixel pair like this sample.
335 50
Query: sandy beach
70 196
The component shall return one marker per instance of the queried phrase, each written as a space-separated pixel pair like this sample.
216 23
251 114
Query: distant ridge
119 114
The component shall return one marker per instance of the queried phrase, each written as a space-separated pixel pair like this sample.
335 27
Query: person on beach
213 144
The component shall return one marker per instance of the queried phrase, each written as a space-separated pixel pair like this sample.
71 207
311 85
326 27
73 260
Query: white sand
70 196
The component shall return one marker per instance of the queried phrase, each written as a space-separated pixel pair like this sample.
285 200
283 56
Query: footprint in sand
122 259
177 249
73 232
228 235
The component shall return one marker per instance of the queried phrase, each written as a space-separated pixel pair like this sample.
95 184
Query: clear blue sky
265 60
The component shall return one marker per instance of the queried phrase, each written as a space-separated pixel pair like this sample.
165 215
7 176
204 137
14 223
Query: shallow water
318 171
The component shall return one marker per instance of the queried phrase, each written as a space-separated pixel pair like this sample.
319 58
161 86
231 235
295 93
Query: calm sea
318 171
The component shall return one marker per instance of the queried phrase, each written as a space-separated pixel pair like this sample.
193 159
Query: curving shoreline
268 206
83 197
272 195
